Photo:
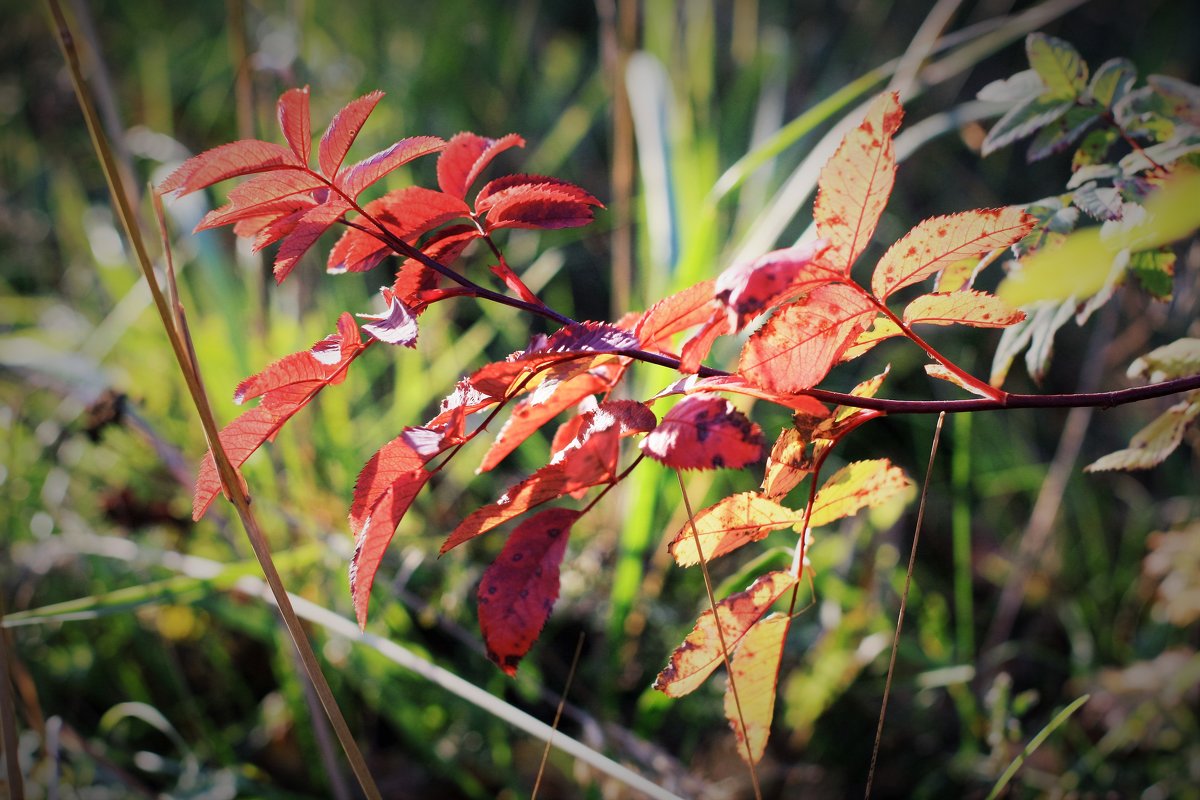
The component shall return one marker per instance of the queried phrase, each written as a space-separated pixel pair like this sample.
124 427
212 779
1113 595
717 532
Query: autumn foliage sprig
819 317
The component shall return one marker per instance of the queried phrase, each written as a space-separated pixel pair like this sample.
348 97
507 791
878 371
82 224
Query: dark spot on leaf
718 461
552 533
524 593
517 556
491 590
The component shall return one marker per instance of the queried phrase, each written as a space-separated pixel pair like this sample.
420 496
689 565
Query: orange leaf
798 346
979 309
675 313
855 184
700 654
756 678
858 485
787 465
937 243
727 525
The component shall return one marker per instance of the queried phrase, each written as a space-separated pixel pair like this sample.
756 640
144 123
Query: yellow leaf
979 309
882 328
1153 443
857 485
727 525
1080 266
700 654
756 679
939 242
855 184
787 465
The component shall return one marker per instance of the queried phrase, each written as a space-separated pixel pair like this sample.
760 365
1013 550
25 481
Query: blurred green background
144 659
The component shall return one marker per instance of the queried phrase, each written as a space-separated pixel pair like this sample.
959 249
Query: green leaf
1063 132
1182 98
1093 150
1112 81
1081 265
1023 120
1143 113
1153 443
1034 744
1155 271
1016 89
1058 64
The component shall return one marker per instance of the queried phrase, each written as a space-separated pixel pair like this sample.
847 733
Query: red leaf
571 343
343 130
799 345
939 242
528 416
444 247
466 156
856 183
588 461
295 123
756 679
407 213
727 525
385 489
700 654
518 590
505 189
704 432
269 195
305 234
750 288
736 384
696 348
366 172
540 210
675 313
227 161
286 386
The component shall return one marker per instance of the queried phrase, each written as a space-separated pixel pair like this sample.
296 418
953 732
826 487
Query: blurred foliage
169 679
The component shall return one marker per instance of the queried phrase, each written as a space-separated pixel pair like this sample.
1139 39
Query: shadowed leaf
518 590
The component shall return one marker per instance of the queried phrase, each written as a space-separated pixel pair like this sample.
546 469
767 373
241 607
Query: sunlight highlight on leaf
700 654
727 525
756 676
855 184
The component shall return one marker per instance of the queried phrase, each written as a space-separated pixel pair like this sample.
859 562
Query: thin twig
912 560
712 603
557 716
230 478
